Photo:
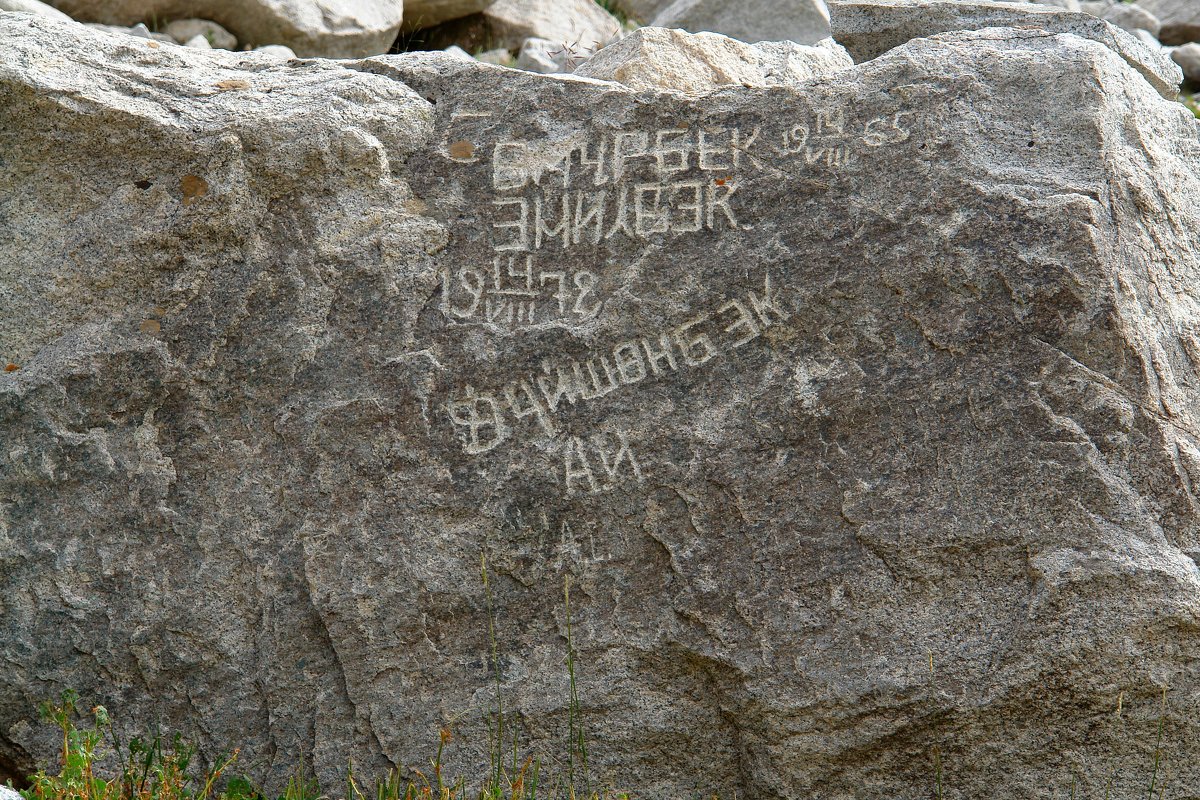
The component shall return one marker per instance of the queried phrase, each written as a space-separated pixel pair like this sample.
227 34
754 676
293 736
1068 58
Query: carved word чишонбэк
485 420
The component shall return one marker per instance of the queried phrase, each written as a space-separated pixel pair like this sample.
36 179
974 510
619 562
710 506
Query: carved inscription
634 211
514 293
632 185
831 138
622 157
485 420
598 463
596 190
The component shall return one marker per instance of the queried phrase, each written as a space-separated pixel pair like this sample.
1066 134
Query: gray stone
198 41
455 50
868 28
142 32
642 11
1187 56
1180 19
696 63
186 29
275 51
1127 16
32 7
580 24
801 21
863 414
426 13
327 28
1147 38
119 30
7 792
545 56
500 56
1066 5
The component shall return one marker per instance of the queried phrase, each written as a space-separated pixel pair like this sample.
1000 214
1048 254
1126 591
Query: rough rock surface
800 21
1180 19
425 13
867 28
695 63
325 28
863 413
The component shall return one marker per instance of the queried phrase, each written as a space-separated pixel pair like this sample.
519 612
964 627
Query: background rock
185 29
1127 16
868 28
642 11
275 51
1066 5
1187 56
500 56
877 433
666 59
544 56
1180 19
33 7
581 26
142 32
581 23
801 21
427 13
327 28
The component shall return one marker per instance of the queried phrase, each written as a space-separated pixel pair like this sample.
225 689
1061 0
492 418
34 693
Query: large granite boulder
319 28
862 413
